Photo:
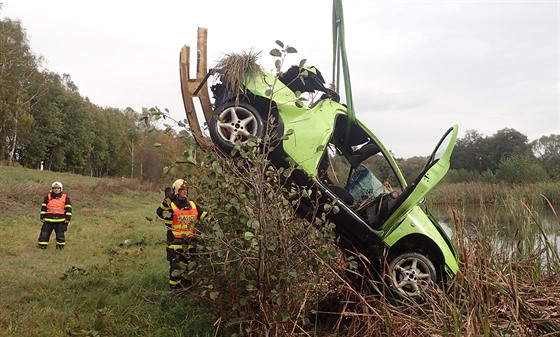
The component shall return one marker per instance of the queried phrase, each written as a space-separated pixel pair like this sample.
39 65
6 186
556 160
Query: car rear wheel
235 123
409 274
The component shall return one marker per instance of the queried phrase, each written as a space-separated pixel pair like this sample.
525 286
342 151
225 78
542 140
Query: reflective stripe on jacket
183 220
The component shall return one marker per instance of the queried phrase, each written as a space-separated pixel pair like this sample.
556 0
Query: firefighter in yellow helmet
180 215
56 213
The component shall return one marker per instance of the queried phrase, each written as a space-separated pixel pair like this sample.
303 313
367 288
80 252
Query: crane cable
340 60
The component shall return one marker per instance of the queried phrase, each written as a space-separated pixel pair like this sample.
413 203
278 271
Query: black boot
176 287
59 247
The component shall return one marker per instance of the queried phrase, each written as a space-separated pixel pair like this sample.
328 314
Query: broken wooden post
197 87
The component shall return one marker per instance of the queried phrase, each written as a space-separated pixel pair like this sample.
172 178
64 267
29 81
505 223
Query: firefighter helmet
57 184
178 184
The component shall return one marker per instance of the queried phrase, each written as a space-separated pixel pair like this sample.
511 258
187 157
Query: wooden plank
189 86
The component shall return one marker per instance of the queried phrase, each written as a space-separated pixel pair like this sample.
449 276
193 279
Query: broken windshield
364 185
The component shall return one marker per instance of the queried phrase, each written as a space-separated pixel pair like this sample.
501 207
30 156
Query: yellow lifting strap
340 60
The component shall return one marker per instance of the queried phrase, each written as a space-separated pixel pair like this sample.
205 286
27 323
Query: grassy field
111 279
98 285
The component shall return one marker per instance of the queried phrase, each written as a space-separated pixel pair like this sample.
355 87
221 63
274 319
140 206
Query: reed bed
506 286
478 193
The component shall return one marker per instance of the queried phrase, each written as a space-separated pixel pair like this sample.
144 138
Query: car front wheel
235 123
409 274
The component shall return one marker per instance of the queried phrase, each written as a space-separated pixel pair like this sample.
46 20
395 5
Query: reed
478 193
507 286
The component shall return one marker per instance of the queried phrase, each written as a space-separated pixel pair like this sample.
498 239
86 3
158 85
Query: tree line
506 156
45 122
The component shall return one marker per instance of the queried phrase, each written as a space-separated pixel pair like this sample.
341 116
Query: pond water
503 223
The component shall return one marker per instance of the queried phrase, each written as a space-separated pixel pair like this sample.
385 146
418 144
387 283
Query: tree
547 151
98 161
77 134
18 69
412 167
47 122
469 152
506 143
481 154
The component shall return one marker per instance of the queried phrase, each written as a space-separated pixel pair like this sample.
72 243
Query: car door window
335 166
366 180
380 168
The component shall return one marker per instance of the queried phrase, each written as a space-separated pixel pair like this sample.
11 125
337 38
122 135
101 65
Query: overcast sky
416 67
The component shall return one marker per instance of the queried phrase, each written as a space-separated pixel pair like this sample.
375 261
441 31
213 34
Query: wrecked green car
379 215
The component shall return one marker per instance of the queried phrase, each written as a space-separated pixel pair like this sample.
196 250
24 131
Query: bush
489 177
259 265
521 170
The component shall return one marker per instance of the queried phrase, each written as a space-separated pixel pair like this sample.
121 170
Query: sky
416 67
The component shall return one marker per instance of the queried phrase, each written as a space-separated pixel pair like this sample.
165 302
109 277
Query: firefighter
56 213
180 215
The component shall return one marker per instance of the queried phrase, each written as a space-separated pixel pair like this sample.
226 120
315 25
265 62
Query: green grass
97 286
508 284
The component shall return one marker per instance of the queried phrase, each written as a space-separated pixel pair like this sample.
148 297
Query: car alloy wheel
409 273
234 123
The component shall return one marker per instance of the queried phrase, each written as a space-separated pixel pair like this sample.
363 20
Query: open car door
432 173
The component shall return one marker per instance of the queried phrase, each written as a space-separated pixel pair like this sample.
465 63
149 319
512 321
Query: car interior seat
342 194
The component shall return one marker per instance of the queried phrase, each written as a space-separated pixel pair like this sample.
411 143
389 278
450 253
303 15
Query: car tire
235 122
409 273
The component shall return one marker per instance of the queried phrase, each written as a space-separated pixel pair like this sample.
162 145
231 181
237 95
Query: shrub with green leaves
259 265
521 170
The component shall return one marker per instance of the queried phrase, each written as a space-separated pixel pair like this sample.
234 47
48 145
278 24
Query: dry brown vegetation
233 67
478 193
502 289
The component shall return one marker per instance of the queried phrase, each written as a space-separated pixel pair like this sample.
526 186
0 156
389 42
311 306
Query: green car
379 214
